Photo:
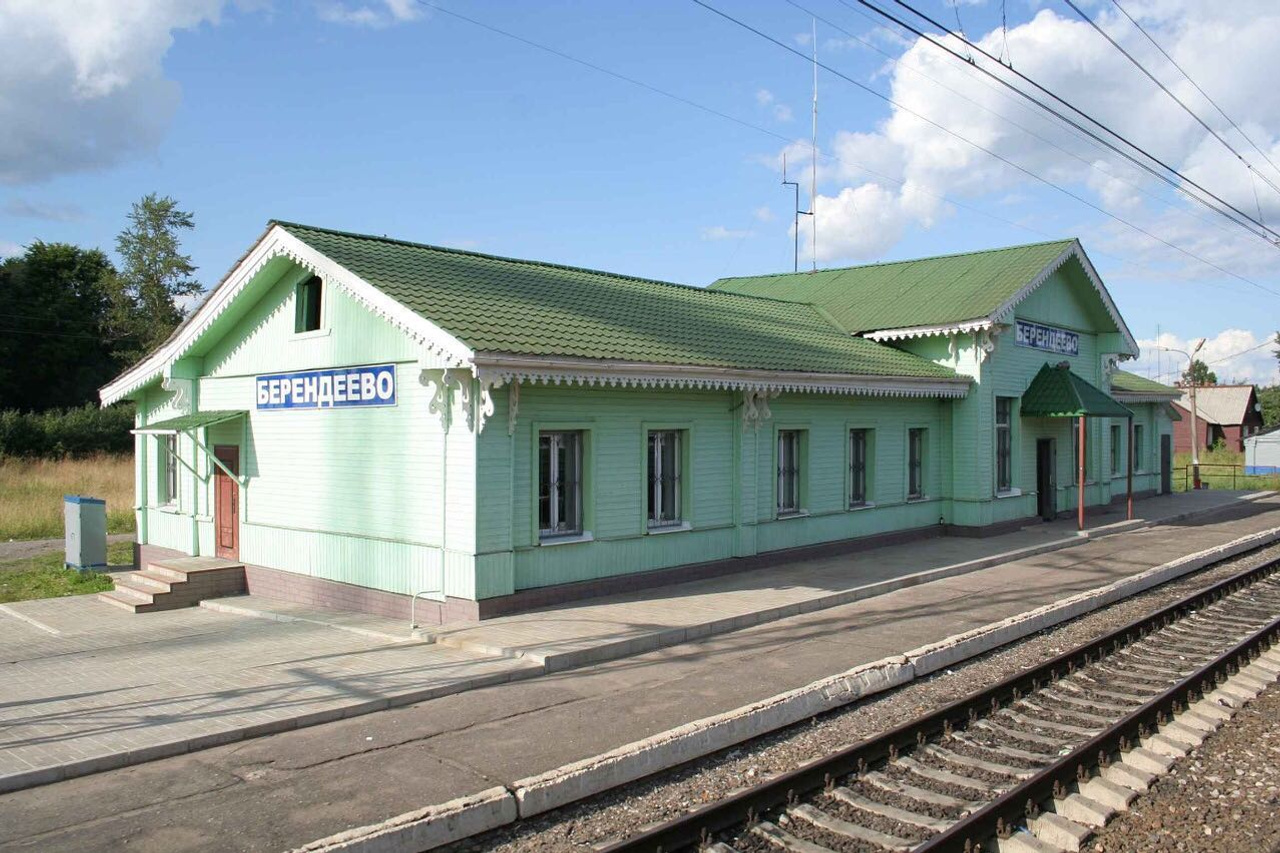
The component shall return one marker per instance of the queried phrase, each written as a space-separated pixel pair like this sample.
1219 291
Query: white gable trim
499 369
277 242
1004 313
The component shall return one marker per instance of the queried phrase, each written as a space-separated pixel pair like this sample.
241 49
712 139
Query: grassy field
1224 477
44 576
31 493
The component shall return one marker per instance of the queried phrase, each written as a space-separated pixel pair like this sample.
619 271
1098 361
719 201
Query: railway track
1029 765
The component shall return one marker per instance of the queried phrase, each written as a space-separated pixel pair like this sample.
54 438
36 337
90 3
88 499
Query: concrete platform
91 688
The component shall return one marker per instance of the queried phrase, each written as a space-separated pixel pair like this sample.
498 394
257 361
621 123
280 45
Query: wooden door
1046 481
226 510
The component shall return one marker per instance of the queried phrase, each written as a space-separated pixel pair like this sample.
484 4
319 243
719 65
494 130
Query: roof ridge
904 260
545 264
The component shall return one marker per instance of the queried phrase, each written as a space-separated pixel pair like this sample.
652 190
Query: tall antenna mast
813 179
795 225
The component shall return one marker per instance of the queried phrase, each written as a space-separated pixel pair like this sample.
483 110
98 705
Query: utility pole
1191 378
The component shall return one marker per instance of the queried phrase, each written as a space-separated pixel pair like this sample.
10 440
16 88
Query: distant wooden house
1226 413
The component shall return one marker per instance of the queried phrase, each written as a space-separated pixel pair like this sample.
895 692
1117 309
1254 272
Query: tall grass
31 493
1221 478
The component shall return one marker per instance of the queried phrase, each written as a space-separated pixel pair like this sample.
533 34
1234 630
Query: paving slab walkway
282 790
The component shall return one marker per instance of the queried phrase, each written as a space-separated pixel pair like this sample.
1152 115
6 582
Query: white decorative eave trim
277 242
1136 397
1004 313
929 331
497 367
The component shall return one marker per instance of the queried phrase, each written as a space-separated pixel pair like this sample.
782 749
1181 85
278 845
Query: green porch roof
502 305
927 292
194 421
1131 383
1056 392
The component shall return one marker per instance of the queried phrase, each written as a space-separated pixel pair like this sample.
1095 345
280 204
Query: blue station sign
1047 338
337 388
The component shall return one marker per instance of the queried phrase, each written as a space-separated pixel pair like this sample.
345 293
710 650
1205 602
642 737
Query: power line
1146 167
787 140
1092 164
1190 80
983 148
1166 90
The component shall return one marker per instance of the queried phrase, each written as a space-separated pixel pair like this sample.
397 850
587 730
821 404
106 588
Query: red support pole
1080 480
1129 447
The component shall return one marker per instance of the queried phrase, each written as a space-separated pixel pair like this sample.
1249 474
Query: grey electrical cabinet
86 523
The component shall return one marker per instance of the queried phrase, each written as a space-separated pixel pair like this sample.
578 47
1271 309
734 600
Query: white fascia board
1123 397
499 368
1003 314
277 242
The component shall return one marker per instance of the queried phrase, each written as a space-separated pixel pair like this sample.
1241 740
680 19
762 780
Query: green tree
1269 399
156 277
1199 374
55 300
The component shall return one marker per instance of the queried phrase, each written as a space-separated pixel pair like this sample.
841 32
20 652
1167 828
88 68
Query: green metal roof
186 422
1056 392
1132 383
503 305
903 294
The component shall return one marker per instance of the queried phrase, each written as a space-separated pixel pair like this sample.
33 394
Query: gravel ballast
622 811
1224 796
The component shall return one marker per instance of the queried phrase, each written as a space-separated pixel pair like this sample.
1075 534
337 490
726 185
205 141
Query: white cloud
9 249
764 213
48 211
81 84
1233 354
374 15
912 163
719 232
765 98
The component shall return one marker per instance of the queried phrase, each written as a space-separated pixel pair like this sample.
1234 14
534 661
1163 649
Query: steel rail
1024 799
698 826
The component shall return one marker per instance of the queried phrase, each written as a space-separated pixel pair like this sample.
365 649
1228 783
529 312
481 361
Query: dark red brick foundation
332 595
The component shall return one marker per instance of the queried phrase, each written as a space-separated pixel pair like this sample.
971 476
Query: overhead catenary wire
1262 151
1241 218
1092 164
1132 59
1021 226
1035 176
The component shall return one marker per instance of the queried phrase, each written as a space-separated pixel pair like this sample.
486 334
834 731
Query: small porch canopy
1056 392
189 424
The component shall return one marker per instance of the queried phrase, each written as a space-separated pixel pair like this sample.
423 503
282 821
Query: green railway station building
361 421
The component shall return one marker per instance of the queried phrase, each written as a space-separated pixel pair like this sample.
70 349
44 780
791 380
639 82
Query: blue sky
387 117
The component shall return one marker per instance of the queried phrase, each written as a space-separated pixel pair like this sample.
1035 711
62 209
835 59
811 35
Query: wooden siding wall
358 495
730 481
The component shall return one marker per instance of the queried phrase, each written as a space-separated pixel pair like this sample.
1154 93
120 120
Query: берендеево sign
335 388
1036 336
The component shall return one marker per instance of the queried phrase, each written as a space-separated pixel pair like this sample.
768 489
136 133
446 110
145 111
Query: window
858 454
1137 447
168 463
664 478
306 316
1115 449
788 472
559 484
1004 444
915 464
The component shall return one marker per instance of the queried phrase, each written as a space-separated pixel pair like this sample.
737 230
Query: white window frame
915 463
1004 447
657 515
559 527
168 481
856 501
788 501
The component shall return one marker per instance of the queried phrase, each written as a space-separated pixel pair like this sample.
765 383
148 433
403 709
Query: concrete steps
174 583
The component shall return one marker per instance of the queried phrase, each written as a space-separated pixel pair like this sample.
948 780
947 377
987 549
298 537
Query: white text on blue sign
1048 338
337 388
